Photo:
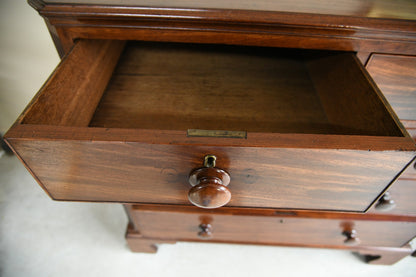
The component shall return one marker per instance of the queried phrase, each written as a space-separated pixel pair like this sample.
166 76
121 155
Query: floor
41 237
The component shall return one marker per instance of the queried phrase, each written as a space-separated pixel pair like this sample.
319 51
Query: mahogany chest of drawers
281 123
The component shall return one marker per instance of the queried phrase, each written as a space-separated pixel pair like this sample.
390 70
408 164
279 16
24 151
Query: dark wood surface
410 172
89 165
71 94
112 164
368 254
385 203
174 224
361 99
395 75
45 112
261 177
365 8
261 140
402 193
383 256
137 243
410 126
212 87
311 214
180 87
209 187
97 164
377 26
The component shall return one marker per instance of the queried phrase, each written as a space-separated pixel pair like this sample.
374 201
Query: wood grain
283 230
368 254
349 97
317 171
410 126
396 77
180 87
212 87
175 137
71 94
364 8
402 192
410 172
110 164
261 177
343 28
317 214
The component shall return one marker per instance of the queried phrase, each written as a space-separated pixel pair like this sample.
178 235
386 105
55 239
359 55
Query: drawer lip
177 137
271 212
199 12
66 121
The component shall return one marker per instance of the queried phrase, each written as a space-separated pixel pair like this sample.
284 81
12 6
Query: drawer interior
173 86
217 87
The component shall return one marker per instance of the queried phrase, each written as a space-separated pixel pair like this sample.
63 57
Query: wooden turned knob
209 187
206 231
352 239
386 203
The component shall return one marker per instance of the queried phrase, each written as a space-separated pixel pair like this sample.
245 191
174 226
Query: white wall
27 57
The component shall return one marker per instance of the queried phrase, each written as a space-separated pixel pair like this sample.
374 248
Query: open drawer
294 129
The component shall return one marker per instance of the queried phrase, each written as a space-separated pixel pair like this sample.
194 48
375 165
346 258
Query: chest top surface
404 9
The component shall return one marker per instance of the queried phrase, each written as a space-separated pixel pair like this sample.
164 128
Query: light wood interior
74 89
212 87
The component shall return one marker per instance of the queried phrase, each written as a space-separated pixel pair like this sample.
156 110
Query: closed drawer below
399 199
245 226
410 172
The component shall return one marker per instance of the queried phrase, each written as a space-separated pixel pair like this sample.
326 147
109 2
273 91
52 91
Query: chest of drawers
266 110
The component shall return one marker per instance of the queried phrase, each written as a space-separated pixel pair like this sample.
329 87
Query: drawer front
410 172
148 173
396 77
319 136
399 200
194 225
